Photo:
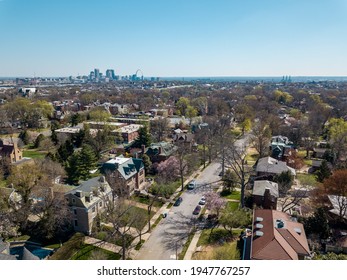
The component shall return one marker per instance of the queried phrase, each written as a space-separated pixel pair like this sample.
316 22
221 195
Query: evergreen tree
323 172
86 161
72 169
144 138
38 140
147 163
24 136
65 151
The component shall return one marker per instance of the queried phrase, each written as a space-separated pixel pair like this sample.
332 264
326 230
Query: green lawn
146 200
90 252
232 206
307 179
217 235
33 154
69 248
234 195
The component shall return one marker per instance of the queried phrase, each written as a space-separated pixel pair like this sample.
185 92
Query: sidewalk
192 246
102 244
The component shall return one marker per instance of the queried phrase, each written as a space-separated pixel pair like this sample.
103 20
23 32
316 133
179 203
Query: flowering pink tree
214 203
168 170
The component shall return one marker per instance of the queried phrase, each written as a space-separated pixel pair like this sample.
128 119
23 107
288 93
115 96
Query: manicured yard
232 206
307 179
90 252
234 195
220 246
33 154
146 200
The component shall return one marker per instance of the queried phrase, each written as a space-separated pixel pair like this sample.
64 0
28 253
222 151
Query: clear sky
174 37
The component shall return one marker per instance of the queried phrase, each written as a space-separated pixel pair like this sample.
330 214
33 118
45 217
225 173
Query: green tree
99 114
147 163
284 181
24 136
38 140
323 172
87 161
182 106
317 224
229 180
144 138
235 219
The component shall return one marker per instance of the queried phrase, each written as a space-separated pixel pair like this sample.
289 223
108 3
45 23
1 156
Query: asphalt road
170 235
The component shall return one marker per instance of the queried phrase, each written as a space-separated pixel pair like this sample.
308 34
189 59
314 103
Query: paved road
170 235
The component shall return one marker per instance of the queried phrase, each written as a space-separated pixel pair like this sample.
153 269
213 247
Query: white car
202 201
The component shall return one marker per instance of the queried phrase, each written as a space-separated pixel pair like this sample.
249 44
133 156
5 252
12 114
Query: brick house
128 174
265 194
86 201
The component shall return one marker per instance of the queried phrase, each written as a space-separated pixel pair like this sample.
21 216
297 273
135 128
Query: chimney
143 147
160 150
267 199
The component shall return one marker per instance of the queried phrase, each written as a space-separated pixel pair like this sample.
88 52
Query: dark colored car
197 210
191 185
178 201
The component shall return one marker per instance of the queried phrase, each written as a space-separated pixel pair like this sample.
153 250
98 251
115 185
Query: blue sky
174 37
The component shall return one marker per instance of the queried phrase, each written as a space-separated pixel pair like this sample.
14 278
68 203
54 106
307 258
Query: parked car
197 210
178 201
202 201
191 185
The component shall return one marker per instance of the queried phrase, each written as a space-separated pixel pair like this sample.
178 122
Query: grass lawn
146 200
234 195
232 206
69 248
3 183
90 252
33 154
307 179
220 246
217 235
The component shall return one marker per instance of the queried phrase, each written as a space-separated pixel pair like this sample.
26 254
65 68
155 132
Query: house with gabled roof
267 167
129 173
10 151
277 236
86 201
265 194
161 151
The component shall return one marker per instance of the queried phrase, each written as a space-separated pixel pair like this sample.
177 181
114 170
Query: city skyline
173 39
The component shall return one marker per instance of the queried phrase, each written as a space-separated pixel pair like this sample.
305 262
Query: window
100 204
73 200
75 211
76 223
93 209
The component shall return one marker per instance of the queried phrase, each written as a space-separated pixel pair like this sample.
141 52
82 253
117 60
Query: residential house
281 147
88 200
129 174
268 167
265 194
277 236
320 149
161 151
184 138
10 151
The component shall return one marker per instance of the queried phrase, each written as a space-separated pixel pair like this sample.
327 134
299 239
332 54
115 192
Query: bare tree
181 155
159 128
261 136
236 160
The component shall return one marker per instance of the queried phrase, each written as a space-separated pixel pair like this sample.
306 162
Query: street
171 233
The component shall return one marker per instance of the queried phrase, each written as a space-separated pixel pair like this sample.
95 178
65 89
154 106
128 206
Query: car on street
178 201
202 201
197 210
191 185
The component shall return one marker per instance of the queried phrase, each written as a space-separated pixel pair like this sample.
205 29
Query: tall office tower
91 75
96 73
110 73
